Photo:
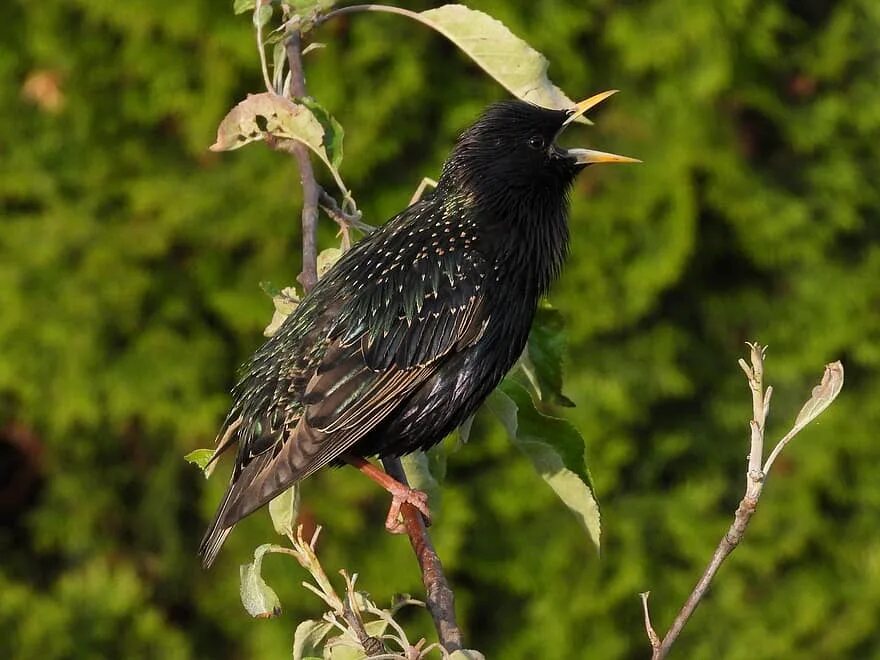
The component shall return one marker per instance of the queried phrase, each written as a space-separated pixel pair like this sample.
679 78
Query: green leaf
267 114
500 53
333 131
544 354
308 640
284 509
418 474
555 448
241 6
200 457
258 598
263 15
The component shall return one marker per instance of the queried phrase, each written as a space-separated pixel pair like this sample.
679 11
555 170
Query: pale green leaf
418 474
308 640
285 302
326 259
822 395
262 15
504 56
241 6
466 654
258 598
267 114
555 449
284 510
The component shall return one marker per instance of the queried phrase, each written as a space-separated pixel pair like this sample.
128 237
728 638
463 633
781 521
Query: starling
409 332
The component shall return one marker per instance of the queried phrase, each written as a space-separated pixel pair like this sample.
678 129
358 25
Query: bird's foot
401 495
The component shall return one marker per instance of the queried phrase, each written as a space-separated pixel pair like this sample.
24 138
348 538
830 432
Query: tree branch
438 596
821 398
309 275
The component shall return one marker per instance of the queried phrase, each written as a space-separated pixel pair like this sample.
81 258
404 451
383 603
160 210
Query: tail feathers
213 539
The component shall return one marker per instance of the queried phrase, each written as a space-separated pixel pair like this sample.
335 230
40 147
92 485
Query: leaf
262 15
823 394
285 302
258 598
464 431
418 474
466 654
500 53
342 648
333 131
265 114
279 58
284 509
555 448
326 259
308 639
544 356
241 6
200 457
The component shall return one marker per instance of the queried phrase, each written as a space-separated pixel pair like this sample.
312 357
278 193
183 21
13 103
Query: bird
414 326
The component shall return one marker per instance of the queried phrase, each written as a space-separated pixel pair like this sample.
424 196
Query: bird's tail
213 539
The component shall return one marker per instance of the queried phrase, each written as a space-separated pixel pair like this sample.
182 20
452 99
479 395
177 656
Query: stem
439 597
353 9
309 275
754 485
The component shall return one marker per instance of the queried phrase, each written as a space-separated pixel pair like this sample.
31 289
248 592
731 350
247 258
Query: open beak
590 156
580 108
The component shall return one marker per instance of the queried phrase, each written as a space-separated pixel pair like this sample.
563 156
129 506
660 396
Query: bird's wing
387 343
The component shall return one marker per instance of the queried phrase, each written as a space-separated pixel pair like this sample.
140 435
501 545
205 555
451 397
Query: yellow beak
590 156
580 108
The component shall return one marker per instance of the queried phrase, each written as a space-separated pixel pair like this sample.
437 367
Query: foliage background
130 258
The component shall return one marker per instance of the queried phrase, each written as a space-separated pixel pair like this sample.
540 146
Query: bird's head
512 147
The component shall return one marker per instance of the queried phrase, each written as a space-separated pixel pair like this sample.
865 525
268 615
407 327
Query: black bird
410 331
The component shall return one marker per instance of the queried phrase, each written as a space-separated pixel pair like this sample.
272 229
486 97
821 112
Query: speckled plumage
409 332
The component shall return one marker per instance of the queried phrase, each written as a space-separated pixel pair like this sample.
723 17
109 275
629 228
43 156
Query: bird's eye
536 142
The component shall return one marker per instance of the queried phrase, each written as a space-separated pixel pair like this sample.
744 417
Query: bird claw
405 495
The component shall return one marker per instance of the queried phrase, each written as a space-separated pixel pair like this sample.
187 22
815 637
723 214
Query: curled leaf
268 115
284 510
285 302
258 598
326 259
308 640
823 394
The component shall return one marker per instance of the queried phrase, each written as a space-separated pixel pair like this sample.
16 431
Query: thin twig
346 221
822 396
649 627
309 275
439 597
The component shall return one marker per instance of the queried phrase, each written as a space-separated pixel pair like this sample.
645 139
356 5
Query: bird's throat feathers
524 230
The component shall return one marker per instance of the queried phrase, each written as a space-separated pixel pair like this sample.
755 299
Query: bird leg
400 494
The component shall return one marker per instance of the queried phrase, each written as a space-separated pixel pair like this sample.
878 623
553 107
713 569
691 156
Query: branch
438 595
821 398
309 275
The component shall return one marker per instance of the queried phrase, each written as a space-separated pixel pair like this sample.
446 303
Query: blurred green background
130 258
